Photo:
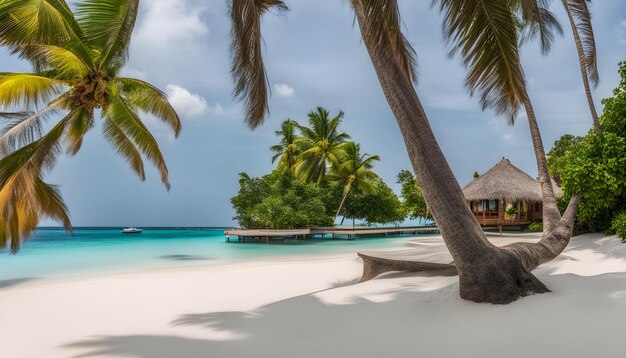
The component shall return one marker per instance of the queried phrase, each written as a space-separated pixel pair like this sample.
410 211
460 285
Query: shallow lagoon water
53 253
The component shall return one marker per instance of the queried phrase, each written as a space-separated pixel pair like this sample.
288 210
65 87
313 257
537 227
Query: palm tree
77 60
318 145
489 32
353 172
287 149
580 20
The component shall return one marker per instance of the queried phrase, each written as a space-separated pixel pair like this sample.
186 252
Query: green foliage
382 206
556 156
476 175
511 210
536 227
320 175
413 202
277 201
595 167
618 225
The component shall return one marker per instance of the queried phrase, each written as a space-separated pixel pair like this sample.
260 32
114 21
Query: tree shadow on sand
407 321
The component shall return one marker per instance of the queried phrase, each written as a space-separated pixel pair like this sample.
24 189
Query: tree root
374 266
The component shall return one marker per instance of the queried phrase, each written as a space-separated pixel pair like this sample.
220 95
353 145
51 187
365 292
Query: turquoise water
53 253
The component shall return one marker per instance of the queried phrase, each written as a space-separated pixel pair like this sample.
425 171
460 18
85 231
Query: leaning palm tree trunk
343 199
551 214
583 66
486 273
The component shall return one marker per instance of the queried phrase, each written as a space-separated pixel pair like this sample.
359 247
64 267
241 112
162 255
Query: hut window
493 205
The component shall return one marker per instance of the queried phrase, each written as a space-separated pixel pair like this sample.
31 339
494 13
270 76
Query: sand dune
311 307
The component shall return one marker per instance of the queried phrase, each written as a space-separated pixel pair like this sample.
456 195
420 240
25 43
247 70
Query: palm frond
143 96
539 22
24 90
582 15
108 24
125 147
129 123
24 127
59 62
51 204
484 32
80 121
23 200
43 22
40 154
248 70
384 27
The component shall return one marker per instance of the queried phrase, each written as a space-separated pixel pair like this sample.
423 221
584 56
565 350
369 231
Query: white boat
132 230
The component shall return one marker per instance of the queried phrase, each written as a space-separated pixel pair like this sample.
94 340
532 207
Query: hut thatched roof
506 182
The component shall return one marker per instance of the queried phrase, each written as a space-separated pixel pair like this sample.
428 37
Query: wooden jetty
350 233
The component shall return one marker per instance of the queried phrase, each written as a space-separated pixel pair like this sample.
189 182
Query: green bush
618 226
536 226
277 201
595 167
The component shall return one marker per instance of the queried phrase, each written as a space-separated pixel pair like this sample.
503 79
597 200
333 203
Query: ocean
52 253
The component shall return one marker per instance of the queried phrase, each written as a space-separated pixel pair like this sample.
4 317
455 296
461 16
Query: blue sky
314 57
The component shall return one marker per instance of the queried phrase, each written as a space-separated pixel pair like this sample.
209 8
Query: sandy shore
310 307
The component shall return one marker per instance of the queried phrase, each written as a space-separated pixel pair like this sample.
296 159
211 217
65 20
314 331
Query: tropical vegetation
413 202
319 175
595 166
77 59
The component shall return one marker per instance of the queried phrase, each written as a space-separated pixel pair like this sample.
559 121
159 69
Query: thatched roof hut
508 183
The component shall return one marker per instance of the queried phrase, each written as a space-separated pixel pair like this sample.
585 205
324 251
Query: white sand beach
312 307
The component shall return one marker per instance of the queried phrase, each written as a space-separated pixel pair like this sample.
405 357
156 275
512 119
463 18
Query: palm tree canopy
287 149
353 169
76 61
318 144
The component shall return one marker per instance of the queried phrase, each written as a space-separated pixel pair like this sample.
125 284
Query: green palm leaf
108 25
129 123
28 90
80 121
43 22
57 62
484 32
143 96
125 147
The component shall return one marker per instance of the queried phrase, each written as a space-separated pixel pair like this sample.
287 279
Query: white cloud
186 103
284 90
170 24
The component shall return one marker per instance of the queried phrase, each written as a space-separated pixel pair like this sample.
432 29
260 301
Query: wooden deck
324 232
